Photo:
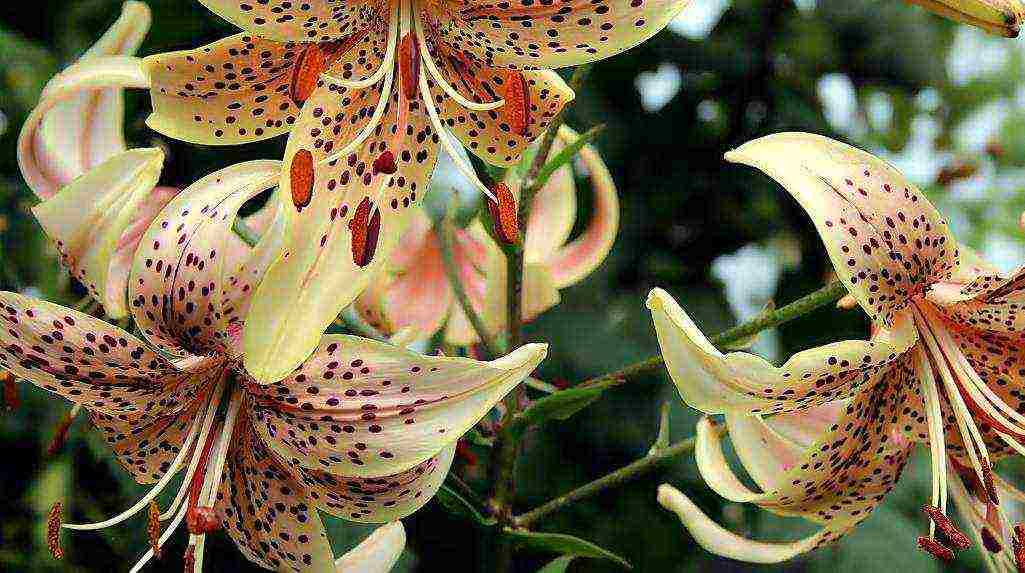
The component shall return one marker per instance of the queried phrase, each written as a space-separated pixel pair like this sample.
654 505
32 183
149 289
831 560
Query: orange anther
301 178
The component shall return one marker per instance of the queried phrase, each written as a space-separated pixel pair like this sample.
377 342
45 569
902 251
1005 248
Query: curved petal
346 217
574 261
554 212
472 248
990 303
886 241
61 139
184 293
359 407
539 292
548 35
83 128
383 499
1001 17
378 553
88 218
267 512
740 382
82 358
284 20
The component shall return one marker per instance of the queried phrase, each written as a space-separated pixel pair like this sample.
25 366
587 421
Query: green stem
616 478
447 236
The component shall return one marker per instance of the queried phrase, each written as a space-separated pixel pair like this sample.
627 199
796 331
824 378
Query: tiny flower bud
935 548
53 531
958 540
504 214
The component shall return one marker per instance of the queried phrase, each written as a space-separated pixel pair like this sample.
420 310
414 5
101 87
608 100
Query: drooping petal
886 241
472 250
577 259
81 128
82 358
88 218
71 129
382 499
539 291
359 407
267 512
547 35
286 20
378 553
991 303
184 293
740 382
347 217
1001 17
554 212
501 135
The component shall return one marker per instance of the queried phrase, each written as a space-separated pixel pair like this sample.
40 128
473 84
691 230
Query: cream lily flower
1001 17
943 366
378 553
414 292
363 430
98 196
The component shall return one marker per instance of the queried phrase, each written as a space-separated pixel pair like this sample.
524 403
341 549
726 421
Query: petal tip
657 299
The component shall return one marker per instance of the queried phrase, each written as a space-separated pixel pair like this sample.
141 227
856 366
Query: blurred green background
941 101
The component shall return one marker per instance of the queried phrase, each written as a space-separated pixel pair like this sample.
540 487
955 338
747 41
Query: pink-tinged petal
991 303
184 293
577 259
363 408
347 217
81 128
88 218
267 512
554 212
287 20
1001 17
382 499
501 135
472 249
82 358
887 242
545 35
50 137
121 262
713 382
378 553
539 291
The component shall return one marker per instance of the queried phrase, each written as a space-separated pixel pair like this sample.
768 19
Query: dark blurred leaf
565 544
559 406
457 505
558 565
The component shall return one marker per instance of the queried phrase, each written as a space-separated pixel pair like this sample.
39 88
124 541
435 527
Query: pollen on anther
935 548
956 537
301 178
409 65
517 102
990 541
153 528
504 213
53 531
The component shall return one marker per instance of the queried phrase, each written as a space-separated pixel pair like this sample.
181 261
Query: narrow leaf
564 544
458 505
559 565
566 155
558 406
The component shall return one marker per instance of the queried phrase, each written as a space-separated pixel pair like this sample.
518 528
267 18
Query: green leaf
566 155
559 565
564 544
458 505
559 406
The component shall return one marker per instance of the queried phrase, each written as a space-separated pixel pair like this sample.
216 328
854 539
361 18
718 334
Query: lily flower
414 291
98 196
1000 17
990 510
363 430
943 366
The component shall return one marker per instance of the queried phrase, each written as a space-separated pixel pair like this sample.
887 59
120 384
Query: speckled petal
527 34
183 292
82 358
283 20
740 382
88 218
359 407
887 242
990 303
1001 17
83 128
267 512
378 553
335 207
378 500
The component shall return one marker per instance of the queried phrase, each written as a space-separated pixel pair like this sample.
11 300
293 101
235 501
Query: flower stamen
153 528
53 530
60 436
935 548
958 540
990 541
439 79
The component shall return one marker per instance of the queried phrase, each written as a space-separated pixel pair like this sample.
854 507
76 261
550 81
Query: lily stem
447 236
616 478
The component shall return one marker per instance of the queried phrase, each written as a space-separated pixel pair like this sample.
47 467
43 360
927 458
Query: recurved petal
1002 17
554 212
363 408
991 303
77 123
378 553
714 382
284 20
82 358
379 500
83 129
88 218
184 293
886 241
537 35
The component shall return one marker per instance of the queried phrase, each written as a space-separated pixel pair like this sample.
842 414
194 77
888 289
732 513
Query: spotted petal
359 407
740 382
378 553
526 34
184 293
1001 17
79 126
886 241
346 218
82 358
287 20
89 217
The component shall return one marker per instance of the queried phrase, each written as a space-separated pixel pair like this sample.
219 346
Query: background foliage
941 101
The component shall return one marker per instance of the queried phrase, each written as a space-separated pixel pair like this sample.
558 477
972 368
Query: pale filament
937 444
178 518
382 69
